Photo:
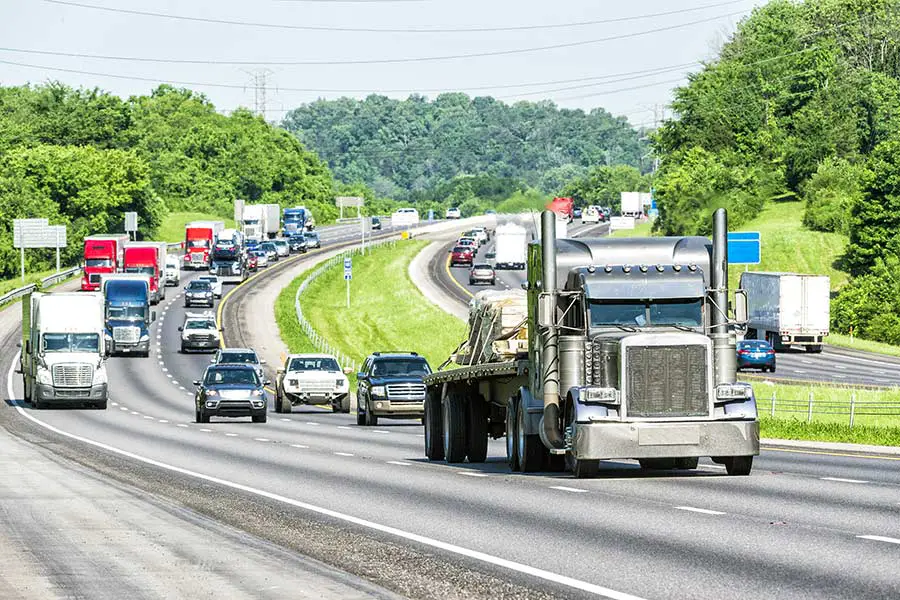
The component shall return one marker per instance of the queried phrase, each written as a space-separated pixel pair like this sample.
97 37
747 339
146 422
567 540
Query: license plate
685 435
758 355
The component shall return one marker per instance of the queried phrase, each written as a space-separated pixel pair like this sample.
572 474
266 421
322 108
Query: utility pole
260 82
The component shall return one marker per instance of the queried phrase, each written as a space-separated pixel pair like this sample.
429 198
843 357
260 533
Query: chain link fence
318 341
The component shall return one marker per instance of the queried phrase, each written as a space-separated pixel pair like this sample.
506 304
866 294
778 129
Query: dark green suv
390 385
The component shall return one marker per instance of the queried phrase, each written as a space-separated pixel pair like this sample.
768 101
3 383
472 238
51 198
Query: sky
625 57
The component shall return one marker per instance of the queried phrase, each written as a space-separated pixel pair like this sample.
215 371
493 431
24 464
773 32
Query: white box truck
511 241
788 309
63 359
271 220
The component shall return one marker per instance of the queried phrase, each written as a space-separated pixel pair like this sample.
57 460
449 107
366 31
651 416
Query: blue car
755 354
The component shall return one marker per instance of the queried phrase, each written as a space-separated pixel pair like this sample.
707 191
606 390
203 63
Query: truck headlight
257 393
726 392
211 393
600 395
44 376
145 337
378 390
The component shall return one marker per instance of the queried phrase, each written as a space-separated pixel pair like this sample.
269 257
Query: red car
462 255
252 262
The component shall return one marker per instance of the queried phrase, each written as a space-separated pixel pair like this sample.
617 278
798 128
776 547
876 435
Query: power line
367 61
411 30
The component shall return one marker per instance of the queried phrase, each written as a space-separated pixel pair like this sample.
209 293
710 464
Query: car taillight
743 352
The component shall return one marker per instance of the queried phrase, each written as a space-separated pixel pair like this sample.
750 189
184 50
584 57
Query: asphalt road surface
312 486
834 365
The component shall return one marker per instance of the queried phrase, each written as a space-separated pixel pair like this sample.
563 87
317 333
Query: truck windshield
687 313
313 364
200 324
198 243
125 312
231 377
98 262
71 342
400 368
141 270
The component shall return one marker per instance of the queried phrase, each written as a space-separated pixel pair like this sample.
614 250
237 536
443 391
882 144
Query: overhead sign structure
621 223
238 210
744 248
37 233
348 275
131 221
343 202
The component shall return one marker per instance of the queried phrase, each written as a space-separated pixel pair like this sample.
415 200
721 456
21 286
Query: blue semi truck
296 220
127 313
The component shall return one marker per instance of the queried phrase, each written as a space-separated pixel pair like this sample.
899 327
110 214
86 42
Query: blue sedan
755 354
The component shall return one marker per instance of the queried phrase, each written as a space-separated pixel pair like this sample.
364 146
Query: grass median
387 311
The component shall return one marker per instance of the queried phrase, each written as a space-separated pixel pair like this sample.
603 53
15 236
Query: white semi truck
261 222
510 242
620 349
788 309
63 359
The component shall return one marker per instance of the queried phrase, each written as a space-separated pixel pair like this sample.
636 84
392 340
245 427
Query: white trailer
788 309
271 220
63 349
511 241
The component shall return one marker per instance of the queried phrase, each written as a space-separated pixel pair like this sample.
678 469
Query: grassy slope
172 228
387 311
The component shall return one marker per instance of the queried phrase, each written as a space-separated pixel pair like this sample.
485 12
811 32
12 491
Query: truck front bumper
317 398
49 394
665 440
126 348
382 407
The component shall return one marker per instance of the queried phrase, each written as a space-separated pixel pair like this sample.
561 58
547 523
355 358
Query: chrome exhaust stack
550 433
724 343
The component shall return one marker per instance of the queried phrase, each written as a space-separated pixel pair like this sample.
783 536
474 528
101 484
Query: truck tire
512 455
360 418
453 410
101 405
345 404
585 469
738 465
477 430
434 433
371 419
529 447
286 406
204 418
277 401
259 418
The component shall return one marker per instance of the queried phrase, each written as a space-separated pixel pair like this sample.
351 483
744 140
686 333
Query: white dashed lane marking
842 480
298 446
342 454
261 439
399 463
702 511
470 474
563 488
879 538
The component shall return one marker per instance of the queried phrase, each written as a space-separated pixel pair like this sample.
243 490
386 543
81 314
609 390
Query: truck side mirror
546 316
180 328
360 375
741 310
262 362
347 370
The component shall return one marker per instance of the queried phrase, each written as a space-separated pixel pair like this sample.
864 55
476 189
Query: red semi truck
148 258
102 254
198 241
564 207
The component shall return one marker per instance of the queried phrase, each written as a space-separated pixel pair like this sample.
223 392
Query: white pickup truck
311 379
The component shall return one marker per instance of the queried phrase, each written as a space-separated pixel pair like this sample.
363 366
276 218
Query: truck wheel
477 441
738 465
434 436
277 401
512 456
101 405
286 406
530 448
259 418
585 469
345 404
454 426
371 418
197 416
204 418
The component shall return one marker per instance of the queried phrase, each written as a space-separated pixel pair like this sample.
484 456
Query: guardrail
18 293
318 341
61 276
34 287
840 410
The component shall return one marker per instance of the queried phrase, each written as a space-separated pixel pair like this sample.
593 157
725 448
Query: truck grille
666 381
197 258
313 387
73 376
127 335
94 278
201 337
223 270
412 392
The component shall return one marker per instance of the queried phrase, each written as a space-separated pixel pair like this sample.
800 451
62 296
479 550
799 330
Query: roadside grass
788 246
640 230
795 429
172 227
286 318
8 285
387 311
845 341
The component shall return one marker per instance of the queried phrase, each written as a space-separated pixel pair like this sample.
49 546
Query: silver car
282 247
240 356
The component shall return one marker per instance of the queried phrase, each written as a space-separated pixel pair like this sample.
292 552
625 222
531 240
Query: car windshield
313 364
688 313
239 357
482 267
71 342
268 246
125 312
141 270
199 286
399 367
210 278
280 243
259 253
756 345
231 377
461 249
311 236
98 262
200 324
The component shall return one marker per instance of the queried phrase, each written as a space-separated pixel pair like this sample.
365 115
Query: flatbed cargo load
497 328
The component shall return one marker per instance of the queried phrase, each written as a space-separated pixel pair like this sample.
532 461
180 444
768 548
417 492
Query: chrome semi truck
630 354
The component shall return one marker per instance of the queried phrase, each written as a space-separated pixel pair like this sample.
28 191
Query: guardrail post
809 410
772 413
852 407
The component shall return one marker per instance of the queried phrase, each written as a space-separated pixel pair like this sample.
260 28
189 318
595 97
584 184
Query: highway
364 513
834 365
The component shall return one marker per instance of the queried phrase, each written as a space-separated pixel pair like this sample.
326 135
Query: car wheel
183 349
371 419
493 282
197 417
260 418
738 465
204 418
345 404
772 369
277 401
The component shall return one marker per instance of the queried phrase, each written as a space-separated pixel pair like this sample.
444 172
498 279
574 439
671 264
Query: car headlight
212 403
44 376
258 392
378 390
258 403
212 393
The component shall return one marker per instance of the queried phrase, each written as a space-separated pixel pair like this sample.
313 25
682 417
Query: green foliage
603 185
172 227
831 193
412 149
868 304
528 200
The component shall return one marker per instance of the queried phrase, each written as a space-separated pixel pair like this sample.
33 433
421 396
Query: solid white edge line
842 480
496 561
879 538
563 488
702 511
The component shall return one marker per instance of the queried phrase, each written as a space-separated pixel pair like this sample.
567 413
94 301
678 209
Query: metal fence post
809 411
772 413
852 406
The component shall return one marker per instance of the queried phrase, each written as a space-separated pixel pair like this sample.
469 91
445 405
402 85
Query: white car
173 270
262 259
452 213
591 214
199 332
311 379
405 217
240 356
215 283
481 234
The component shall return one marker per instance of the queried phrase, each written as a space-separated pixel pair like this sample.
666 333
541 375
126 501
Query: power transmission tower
260 81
